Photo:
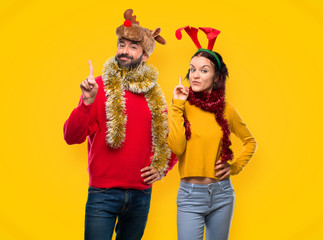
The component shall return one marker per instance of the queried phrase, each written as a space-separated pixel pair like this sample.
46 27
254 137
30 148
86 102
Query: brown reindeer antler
128 16
131 30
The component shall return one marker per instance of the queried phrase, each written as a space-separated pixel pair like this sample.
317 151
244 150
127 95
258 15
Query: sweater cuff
233 167
85 108
178 105
179 102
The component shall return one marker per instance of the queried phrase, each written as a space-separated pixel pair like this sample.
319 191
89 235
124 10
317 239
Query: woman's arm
240 129
176 136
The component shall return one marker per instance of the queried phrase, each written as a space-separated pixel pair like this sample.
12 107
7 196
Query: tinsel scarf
142 80
212 102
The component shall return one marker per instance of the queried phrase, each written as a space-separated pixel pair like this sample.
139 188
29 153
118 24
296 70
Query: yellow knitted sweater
197 156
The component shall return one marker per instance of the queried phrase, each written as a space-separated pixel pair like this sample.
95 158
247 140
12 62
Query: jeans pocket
183 195
183 192
228 188
97 190
147 191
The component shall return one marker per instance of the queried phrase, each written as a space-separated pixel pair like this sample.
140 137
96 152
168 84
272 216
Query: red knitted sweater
110 168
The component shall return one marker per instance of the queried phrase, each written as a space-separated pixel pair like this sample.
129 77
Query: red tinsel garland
212 102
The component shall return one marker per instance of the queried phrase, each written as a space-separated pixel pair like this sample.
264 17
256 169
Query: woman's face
201 74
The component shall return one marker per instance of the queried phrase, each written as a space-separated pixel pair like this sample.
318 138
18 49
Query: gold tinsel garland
142 80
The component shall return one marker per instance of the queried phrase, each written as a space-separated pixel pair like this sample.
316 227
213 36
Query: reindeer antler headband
131 30
211 35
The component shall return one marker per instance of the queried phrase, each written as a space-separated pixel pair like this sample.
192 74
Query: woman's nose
196 74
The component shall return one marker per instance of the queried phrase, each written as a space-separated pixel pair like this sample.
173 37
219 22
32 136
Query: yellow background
273 50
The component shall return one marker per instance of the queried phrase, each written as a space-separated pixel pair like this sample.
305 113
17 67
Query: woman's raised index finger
180 81
91 68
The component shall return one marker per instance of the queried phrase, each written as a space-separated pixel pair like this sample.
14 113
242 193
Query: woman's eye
192 70
204 71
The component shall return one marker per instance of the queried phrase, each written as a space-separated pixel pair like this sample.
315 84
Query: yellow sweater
197 156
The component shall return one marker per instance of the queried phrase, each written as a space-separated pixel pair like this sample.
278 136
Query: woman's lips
195 82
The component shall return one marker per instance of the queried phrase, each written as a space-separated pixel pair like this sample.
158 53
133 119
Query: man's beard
131 65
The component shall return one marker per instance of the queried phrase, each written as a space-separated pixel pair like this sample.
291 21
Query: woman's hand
180 92
222 170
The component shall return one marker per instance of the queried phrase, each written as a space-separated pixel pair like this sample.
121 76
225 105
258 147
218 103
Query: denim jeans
129 207
210 206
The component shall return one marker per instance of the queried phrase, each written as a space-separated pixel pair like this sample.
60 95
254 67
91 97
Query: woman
200 124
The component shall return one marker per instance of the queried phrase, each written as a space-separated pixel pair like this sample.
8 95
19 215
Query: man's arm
76 127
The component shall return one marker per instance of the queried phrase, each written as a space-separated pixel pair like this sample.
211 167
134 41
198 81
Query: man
123 115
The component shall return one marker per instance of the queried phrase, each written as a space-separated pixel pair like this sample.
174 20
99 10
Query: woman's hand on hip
222 170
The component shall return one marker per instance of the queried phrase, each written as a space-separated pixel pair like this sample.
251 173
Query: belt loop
220 185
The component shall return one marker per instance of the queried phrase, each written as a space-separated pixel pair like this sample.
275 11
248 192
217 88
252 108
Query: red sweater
113 168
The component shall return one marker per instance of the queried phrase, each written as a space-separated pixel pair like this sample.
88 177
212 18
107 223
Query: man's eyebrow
134 42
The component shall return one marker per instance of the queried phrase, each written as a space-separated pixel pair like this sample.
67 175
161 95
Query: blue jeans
104 206
210 206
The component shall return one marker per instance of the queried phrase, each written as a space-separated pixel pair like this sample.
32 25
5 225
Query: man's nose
125 49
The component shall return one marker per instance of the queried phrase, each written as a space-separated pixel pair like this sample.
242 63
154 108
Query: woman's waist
205 186
200 180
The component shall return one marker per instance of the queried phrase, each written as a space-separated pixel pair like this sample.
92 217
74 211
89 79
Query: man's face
129 53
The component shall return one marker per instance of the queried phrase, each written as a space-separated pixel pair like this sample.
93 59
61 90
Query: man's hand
222 170
89 87
180 92
150 175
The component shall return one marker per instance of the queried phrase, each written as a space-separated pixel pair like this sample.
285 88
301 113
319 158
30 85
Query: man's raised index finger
91 68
